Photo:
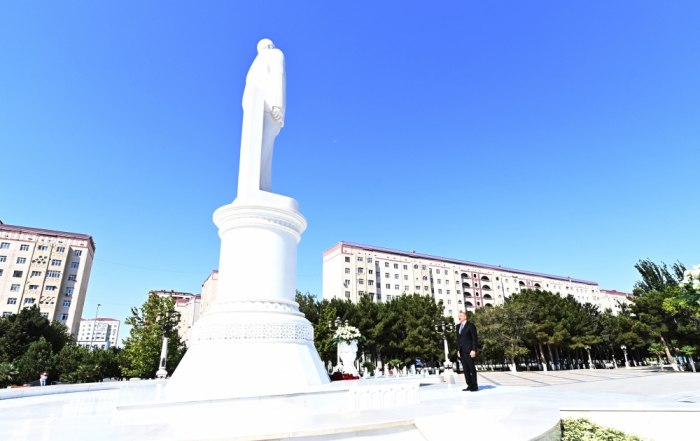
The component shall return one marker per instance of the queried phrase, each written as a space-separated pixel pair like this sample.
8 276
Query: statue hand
278 114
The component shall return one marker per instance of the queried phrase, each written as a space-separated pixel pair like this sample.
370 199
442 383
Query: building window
423 268
425 277
6 313
3 258
417 288
53 274
386 264
347 258
24 247
361 281
405 267
459 301
379 297
347 294
12 301
388 286
369 260
362 293
406 288
359 259
439 282
449 302
439 291
388 298
370 272
450 312
396 276
75 264
69 291
17 273
437 271
36 273
396 266
66 303
14 288
387 275
360 270
4 246
21 260
28 301
78 253
426 288
61 250
448 292
42 248
56 262
51 288
45 314
415 266
370 282
33 287
396 287
347 270
347 282
371 294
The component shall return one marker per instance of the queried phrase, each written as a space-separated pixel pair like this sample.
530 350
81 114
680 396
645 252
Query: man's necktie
461 327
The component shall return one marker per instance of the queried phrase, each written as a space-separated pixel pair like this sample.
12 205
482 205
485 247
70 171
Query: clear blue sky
552 136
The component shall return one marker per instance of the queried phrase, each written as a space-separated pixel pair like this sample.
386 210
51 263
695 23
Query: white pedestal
254 340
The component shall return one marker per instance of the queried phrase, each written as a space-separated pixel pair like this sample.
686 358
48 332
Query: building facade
209 291
99 333
351 270
189 307
50 269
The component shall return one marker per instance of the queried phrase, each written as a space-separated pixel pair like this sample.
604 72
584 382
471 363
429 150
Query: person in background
42 381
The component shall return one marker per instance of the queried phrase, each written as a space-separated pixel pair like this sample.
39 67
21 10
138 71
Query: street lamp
94 326
624 349
167 322
590 362
444 328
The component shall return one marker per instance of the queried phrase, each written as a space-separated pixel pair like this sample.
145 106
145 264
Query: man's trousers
469 369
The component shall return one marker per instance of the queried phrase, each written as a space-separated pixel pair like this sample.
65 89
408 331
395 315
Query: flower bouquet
347 334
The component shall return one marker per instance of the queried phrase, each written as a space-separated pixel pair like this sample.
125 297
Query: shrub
582 429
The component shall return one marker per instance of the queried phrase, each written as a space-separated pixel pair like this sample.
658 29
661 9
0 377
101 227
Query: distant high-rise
47 268
99 333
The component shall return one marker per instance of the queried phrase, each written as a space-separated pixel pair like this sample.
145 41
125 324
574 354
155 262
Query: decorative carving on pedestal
253 331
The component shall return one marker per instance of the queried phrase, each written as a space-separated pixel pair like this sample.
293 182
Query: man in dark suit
466 350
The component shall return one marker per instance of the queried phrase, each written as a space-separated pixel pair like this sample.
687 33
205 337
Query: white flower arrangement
347 334
692 278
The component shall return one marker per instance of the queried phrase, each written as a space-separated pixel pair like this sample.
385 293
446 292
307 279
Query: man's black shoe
474 388
467 389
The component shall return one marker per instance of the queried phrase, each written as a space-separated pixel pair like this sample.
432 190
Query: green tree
141 354
38 358
19 331
8 373
657 277
69 361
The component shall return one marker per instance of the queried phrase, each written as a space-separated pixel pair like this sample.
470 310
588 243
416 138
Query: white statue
264 105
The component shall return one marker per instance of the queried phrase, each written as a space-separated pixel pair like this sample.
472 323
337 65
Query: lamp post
167 322
443 328
624 350
590 362
94 326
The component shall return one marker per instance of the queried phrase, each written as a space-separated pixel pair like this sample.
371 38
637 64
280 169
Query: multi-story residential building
351 270
209 291
47 268
189 306
612 299
102 333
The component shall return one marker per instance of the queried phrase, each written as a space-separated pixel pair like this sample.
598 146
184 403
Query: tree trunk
692 362
556 352
549 349
668 354
544 360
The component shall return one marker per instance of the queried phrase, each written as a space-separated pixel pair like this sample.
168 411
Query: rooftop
99 320
51 233
459 262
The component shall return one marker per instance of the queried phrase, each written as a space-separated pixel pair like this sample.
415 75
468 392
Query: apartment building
351 270
102 333
209 291
50 269
189 307
613 299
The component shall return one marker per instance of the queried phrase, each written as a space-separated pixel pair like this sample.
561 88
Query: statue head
265 44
